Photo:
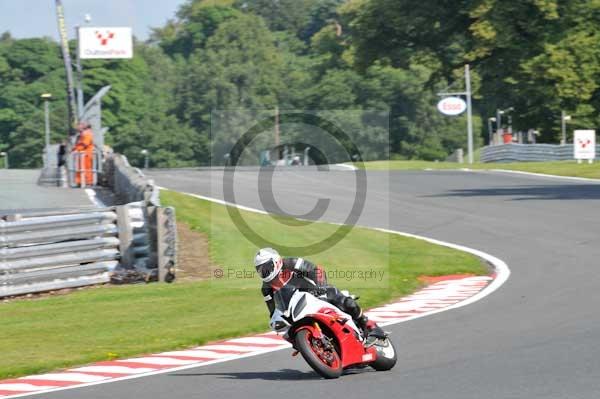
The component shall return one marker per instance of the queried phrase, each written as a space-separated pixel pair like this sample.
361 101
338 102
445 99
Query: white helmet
268 263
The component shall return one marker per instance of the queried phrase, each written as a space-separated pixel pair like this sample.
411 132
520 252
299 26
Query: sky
37 18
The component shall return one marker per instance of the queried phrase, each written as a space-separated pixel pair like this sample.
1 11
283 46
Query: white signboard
452 106
584 144
105 43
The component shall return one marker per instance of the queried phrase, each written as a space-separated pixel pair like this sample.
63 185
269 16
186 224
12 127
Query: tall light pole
467 93
469 114
64 44
490 131
80 99
145 154
5 155
499 113
46 97
563 122
277 126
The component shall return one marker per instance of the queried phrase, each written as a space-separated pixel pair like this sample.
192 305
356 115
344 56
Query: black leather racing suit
306 276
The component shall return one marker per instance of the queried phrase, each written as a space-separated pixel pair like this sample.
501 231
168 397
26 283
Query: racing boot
369 327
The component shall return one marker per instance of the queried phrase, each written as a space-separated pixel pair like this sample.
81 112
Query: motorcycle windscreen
283 297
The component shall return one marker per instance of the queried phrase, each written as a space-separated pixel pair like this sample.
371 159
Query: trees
239 68
539 56
28 68
138 109
196 22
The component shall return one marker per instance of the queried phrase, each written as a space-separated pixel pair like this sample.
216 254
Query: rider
303 275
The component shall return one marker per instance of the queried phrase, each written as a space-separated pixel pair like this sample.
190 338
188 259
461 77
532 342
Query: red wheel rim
328 357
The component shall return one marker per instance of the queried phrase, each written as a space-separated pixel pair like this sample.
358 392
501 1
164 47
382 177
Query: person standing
85 161
62 161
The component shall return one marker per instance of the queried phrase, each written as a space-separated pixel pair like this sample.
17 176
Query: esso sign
452 106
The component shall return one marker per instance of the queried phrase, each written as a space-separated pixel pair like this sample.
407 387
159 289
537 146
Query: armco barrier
529 152
56 249
127 183
40 252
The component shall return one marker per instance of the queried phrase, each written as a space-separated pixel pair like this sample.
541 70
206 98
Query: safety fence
528 152
57 249
83 167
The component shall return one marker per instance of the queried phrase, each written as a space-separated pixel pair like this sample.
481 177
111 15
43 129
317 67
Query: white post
79 76
563 128
276 125
46 132
469 115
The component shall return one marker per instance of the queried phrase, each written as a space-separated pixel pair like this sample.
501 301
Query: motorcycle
327 338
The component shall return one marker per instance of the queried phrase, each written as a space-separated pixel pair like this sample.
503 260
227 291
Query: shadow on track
280 375
523 193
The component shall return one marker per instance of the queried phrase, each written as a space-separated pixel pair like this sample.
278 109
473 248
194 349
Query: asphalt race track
19 191
536 337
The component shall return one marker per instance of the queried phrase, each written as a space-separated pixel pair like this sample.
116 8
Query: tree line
538 56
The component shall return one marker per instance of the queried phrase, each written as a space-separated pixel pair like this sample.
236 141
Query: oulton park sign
105 43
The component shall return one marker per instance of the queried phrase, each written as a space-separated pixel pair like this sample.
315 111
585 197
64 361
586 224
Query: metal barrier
52 174
40 252
456 156
528 152
56 249
127 183
76 166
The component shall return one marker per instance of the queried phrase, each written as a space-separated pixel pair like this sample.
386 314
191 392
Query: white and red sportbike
327 338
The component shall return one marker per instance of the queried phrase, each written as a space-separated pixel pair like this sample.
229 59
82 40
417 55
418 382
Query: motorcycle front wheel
386 355
324 359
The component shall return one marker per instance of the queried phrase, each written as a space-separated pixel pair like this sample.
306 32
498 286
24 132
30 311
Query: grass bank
559 168
108 322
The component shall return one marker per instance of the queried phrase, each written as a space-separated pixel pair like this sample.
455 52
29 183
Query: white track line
92 196
343 165
257 340
114 369
519 172
24 387
159 361
199 353
502 274
74 377
232 348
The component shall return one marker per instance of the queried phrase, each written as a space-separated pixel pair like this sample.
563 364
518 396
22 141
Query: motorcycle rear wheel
314 355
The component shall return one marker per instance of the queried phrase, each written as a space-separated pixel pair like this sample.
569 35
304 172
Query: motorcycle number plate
367 357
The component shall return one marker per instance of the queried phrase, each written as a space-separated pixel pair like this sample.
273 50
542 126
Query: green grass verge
118 321
559 168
